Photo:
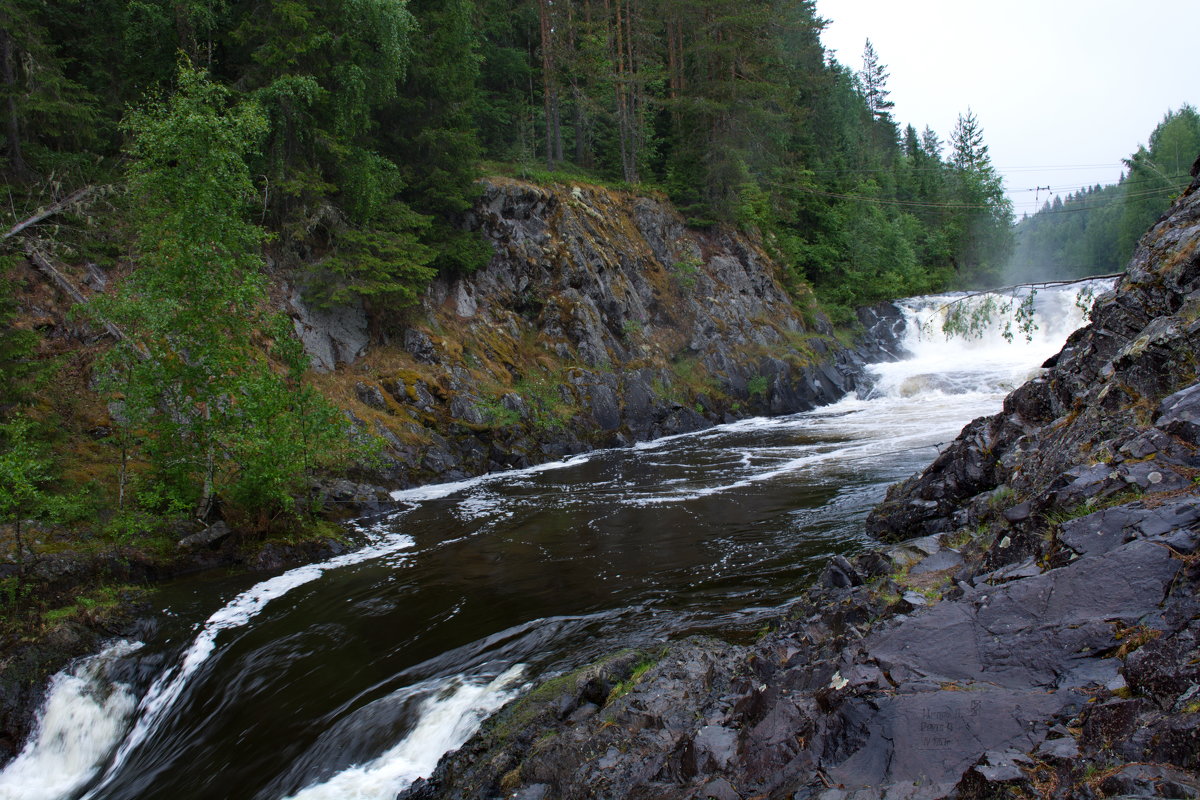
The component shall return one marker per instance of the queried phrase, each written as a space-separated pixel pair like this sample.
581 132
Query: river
350 678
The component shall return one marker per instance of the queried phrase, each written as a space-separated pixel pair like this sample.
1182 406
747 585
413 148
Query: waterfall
83 717
95 736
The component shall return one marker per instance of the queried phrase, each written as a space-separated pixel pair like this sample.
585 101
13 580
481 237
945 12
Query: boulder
210 537
330 336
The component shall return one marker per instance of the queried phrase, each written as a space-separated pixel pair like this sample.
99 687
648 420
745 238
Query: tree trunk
12 130
548 98
582 151
558 139
625 122
636 98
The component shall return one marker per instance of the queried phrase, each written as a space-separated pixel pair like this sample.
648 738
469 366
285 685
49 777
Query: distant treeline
1093 231
381 114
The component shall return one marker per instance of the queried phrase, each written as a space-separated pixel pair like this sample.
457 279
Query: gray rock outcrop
601 320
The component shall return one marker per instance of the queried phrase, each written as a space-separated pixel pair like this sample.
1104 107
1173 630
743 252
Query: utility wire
960 206
852 170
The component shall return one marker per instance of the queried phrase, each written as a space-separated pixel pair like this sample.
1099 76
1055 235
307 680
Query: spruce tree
873 77
982 221
41 105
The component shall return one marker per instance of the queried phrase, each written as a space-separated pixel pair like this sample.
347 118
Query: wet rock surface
995 684
1040 637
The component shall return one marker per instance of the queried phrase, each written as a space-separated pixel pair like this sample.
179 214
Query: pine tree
931 144
982 222
968 151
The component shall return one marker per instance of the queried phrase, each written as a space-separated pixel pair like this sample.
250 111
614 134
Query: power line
943 165
1127 182
965 206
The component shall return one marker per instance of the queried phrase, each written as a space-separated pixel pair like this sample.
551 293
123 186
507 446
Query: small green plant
13 591
1002 497
686 272
496 414
96 602
1133 638
548 410
757 386
962 536
631 328
626 686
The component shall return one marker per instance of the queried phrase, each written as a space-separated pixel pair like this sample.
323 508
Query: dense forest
1092 231
380 114
195 146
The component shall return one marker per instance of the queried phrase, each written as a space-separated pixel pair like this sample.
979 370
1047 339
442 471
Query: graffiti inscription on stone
938 727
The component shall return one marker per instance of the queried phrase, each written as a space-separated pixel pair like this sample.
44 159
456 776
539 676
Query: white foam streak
453 712
237 613
437 491
80 723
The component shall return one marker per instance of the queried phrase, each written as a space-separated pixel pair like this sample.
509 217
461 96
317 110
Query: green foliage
322 71
193 381
1157 174
16 345
27 477
973 316
757 386
1094 230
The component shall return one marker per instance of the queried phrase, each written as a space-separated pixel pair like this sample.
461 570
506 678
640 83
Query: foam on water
437 491
82 719
986 364
452 712
235 614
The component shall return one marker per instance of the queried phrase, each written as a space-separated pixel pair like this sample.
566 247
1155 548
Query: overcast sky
1064 89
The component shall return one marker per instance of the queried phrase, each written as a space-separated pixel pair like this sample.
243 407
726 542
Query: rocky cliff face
601 320
1042 639
1095 428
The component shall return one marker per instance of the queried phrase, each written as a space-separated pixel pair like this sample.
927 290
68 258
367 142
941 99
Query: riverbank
601 321
72 601
1040 639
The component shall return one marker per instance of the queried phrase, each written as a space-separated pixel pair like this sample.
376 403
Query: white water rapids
101 738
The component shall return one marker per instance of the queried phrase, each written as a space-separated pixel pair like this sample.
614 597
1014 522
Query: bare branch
44 266
49 211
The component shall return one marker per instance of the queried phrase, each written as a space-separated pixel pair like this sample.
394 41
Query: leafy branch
972 315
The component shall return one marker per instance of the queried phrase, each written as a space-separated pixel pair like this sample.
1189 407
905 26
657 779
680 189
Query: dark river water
349 679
